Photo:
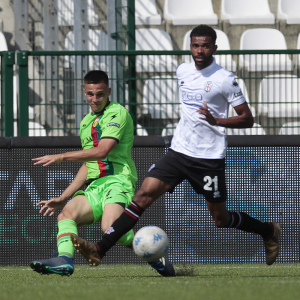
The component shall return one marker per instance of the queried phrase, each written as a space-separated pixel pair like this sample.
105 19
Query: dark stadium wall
263 179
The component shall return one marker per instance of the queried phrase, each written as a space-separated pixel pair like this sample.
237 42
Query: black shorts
207 176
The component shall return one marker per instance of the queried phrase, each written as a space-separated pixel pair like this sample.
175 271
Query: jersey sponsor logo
110 230
238 94
113 124
96 122
191 96
207 86
83 125
112 117
151 168
181 83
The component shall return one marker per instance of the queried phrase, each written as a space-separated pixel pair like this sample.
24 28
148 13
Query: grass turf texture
217 282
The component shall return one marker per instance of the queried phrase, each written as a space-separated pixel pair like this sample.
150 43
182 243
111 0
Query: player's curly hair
204 30
96 76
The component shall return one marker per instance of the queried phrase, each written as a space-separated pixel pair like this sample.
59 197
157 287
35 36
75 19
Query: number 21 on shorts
211 183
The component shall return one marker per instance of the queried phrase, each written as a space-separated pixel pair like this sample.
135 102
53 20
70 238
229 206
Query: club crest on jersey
96 122
208 85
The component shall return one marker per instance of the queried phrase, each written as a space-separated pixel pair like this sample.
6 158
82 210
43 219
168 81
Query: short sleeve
232 91
115 125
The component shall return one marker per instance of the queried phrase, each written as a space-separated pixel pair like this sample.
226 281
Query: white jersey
216 86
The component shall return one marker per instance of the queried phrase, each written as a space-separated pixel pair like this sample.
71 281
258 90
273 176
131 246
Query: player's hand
48 160
208 116
51 206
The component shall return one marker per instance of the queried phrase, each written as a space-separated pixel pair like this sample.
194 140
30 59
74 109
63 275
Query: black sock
242 221
122 225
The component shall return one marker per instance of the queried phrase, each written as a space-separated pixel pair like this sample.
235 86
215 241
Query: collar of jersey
102 111
208 68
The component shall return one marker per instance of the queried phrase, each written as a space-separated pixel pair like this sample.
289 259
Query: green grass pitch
114 282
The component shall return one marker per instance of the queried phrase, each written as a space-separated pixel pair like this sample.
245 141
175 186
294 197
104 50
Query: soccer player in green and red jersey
108 171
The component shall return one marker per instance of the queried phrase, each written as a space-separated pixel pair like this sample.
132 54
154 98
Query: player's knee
65 215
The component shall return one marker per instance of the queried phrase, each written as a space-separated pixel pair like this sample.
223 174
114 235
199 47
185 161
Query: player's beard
207 60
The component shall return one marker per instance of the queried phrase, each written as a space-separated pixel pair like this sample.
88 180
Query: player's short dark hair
204 30
96 76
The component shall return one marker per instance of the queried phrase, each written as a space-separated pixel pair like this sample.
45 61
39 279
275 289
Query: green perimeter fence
42 91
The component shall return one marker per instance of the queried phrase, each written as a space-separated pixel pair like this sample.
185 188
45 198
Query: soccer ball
150 243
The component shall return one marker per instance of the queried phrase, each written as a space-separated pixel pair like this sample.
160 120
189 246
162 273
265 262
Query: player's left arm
100 152
244 119
231 91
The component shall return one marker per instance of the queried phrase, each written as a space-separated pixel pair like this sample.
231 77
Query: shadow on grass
185 271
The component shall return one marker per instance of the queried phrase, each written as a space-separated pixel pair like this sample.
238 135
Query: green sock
126 239
64 243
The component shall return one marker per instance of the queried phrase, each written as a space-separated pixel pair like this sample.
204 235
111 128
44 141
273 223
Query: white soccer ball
150 243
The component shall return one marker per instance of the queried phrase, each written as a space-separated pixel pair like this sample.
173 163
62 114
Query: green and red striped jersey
116 123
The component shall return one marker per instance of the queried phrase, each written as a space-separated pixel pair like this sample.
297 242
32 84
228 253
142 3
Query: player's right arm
51 206
92 154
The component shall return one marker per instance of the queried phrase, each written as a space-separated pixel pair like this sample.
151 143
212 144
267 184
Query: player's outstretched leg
55 265
87 249
164 267
272 245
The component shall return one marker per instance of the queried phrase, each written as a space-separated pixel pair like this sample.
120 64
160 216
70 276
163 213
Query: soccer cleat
272 245
87 249
56 265
163 266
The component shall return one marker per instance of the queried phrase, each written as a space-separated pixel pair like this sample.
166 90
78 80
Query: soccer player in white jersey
197 151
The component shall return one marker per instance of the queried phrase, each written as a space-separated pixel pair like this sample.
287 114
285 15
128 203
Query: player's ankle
101 255
69 260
